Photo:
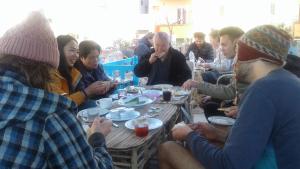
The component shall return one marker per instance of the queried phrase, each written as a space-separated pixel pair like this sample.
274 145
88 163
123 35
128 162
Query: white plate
82 115
162 86
221 120
153 123
122 115
143 101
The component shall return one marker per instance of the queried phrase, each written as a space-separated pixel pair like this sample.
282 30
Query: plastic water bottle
117 76
192 58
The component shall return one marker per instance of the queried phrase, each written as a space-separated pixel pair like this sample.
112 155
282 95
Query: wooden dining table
131 151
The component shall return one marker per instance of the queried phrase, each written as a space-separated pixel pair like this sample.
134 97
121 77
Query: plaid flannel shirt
37 130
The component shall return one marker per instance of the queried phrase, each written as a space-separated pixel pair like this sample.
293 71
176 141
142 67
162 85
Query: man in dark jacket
165 65
201 49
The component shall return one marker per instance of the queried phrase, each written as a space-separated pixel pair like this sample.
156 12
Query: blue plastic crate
124 66
124 62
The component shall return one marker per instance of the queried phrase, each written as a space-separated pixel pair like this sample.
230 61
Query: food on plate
227 109
135 100
180 92
132 89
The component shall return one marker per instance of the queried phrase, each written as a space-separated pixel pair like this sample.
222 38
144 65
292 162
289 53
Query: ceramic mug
104 103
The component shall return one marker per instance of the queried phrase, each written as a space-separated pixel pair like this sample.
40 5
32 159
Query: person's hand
113 84
205 99
206 65
180 131
160 55
190 84
107 86
232 111
153 58
207 130
96 88
100 125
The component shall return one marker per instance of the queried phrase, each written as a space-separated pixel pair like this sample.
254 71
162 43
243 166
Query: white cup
104 103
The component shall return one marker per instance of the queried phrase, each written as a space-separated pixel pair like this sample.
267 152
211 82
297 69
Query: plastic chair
225 78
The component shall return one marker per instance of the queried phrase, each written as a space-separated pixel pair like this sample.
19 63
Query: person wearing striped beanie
266 132
265 44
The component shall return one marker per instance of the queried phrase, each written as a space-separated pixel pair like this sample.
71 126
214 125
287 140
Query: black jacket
179 71
206 52
293 64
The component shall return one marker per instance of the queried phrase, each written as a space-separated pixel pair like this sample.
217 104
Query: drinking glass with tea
141 127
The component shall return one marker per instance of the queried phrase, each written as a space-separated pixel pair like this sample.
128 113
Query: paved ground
198 115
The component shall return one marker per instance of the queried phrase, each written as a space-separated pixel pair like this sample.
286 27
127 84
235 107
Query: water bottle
116 76
192 56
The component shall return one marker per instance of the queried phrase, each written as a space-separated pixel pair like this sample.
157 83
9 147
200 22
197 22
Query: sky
99 20
107 20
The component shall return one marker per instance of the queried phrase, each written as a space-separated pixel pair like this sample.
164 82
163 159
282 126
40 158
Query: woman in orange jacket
66 80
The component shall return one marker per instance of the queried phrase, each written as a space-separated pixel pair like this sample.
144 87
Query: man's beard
243 72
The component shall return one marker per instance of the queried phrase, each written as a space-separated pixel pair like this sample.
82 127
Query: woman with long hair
66 79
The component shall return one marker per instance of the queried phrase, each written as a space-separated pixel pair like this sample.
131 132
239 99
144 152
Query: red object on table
141 130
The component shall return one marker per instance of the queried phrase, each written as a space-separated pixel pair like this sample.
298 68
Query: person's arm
223 92
247 140
66 145
143 68
183 72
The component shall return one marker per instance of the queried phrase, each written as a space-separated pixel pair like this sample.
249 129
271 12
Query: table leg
134 159
186 117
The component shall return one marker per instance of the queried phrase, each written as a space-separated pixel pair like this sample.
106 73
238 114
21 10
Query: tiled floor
198 115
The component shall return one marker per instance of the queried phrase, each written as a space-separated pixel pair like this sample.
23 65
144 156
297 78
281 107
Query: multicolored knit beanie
264 42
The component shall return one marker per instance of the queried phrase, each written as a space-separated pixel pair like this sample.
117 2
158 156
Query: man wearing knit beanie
265 44
38 129
266 133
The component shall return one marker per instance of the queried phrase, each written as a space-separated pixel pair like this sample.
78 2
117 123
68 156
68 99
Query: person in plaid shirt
39 129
